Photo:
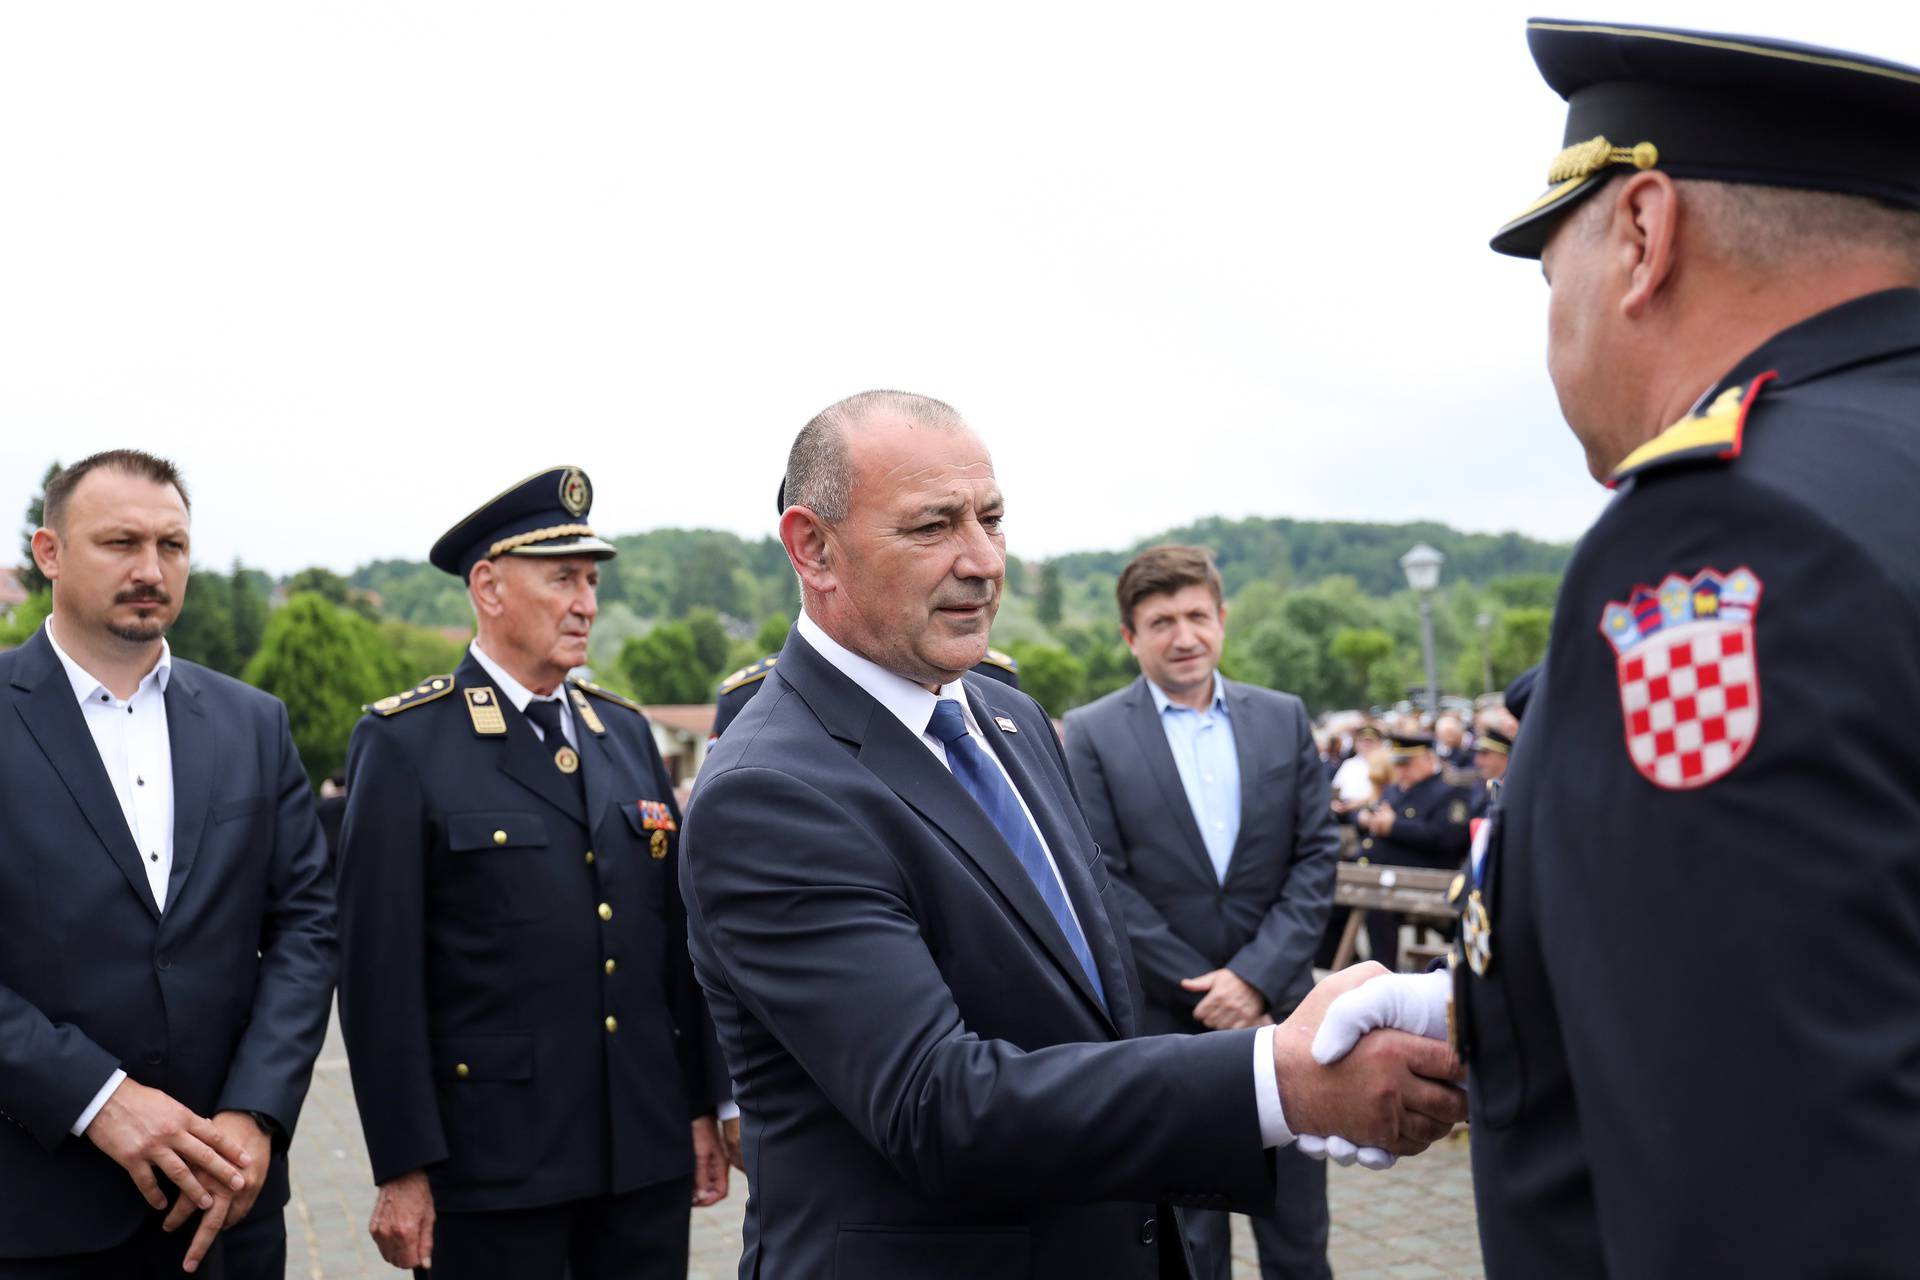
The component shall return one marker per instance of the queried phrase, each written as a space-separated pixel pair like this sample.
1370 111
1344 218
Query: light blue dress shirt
1203 751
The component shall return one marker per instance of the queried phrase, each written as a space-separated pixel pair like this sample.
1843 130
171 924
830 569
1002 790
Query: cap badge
576 495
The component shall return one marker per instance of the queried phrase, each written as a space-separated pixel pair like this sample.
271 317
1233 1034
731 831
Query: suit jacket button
606 912
164 961
610 964
613 1024
154 1059
462 1070
1147 1232
589 857
499 837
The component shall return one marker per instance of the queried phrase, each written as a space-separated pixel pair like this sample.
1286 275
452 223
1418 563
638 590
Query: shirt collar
518 694
910 703
84 684
1162 703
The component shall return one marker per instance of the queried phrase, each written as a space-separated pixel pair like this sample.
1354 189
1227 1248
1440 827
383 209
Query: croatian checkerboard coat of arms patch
1689 686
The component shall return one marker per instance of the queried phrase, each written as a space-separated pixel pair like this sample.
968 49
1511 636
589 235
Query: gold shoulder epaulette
1713 435
1001 659
747 675
618 698
426 691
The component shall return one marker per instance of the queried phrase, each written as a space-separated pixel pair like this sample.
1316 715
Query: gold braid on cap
505 545
1584 159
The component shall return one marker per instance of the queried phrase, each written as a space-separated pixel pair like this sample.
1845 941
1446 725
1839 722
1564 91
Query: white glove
1414 1002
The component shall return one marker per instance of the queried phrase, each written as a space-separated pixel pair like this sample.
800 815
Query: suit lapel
1070 857
523 757
190 743
596 767
1151 736
1241 714
56 723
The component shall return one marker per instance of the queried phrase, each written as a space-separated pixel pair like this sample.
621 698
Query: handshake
1364 1069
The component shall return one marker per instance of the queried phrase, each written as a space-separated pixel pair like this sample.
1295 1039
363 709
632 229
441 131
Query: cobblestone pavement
1414 1222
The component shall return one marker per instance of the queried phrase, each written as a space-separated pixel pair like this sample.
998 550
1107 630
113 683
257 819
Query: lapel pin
1006 724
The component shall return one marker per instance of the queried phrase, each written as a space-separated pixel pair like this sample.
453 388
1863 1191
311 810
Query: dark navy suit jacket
1266 918
220 1001
493 917
928 1084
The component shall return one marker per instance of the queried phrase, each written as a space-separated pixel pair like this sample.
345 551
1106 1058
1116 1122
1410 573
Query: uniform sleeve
1438 832
273 1063
1281 950
1736 960
1162 956
808 919
383 966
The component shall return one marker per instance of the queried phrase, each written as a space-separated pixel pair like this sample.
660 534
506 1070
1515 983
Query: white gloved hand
1413 1002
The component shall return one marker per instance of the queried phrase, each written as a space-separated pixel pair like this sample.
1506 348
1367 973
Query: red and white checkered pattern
1691 699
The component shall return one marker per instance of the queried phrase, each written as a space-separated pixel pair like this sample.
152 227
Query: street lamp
1485 625
1422 567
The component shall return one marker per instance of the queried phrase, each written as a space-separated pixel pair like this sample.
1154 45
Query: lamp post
1422 567
1485 625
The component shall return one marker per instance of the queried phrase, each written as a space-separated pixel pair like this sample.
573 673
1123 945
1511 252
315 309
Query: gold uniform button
610 966
499 837
606 912
613 1024
463 1071
1410 813
589 857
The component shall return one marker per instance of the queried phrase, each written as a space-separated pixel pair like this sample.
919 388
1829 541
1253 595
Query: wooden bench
1417 893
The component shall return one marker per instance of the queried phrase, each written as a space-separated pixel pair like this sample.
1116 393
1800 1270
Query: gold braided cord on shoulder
1731 46
539 535
1584 159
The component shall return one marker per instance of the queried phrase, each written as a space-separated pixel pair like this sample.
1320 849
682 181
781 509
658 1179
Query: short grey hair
820 465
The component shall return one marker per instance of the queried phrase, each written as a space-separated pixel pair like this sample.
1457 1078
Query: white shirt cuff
99 1101
1266 1092
729 1110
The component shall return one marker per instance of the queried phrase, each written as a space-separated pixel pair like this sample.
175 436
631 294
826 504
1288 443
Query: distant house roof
693 720
11 591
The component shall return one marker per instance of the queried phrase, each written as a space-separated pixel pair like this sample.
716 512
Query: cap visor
589 546
1527 234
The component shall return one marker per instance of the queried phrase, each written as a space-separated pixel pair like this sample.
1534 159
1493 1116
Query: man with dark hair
1209 800
910 943
1732 242
166 922
531 1058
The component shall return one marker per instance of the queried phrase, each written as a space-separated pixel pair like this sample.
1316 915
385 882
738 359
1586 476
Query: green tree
1049 599
663 666
1360 650
203 633
30 576
1519 642
324 662
710 641
1051 676
772 636
1280 657
247 604
405 653
26 619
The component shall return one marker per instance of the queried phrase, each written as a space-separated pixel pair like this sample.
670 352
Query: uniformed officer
1420 821
1732 239
532 1061
738 689
1491 751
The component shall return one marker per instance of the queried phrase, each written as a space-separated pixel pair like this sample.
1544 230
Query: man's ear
46 552
1646 226
808 539
484 584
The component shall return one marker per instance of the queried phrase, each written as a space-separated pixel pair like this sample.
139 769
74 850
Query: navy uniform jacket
928 1085
1265 920
1430 826
220 1001
519 1009
1697 1049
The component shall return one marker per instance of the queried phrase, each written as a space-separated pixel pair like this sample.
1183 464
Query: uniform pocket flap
467 832
484 1057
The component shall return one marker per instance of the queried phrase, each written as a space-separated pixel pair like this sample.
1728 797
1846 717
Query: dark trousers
257 1248
149 1254
1292 1243
638 1235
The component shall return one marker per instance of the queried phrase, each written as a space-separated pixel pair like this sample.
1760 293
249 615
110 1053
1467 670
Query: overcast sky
359 266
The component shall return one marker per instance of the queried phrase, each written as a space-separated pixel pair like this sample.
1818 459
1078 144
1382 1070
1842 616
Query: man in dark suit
1209 800
531 1058
733 693
166 924
909 941
1732 241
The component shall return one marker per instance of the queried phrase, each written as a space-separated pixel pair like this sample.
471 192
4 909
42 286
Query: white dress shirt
131 737
912 705
519 695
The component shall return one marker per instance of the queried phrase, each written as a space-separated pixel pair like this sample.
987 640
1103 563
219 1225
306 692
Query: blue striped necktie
982 779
